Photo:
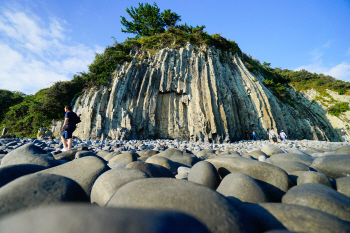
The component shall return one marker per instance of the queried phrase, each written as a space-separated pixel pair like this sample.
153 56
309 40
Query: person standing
68 128
246 135
273 136
283 136
343 135
253 135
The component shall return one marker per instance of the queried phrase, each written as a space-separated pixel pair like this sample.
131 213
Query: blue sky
44 41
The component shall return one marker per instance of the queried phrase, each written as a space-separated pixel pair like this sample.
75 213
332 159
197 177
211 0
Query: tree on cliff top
147 20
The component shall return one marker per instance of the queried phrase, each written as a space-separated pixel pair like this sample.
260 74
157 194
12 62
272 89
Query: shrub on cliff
8 99
338 108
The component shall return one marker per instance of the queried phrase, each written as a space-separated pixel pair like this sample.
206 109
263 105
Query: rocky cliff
194 94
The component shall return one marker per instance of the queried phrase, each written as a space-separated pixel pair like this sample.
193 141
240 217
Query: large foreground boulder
79 218
291 166
344 150
273 216
10 173
38 189
29 154
334 166
208 206
320 197
273 179
84 171
110 181
243 187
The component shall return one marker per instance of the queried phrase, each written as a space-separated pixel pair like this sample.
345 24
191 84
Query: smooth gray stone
296 151
303 158
333 166
63 158
273 216
180 157
311 150
273 179
126 157
142 159
84 153
228 155
313 177
342 185
84 171
10 173
203 203
291 166
320 197
79 218
147 153
70 154
344 150
206 154
110 181
242 187
29 154
38 189
270 149
204 173
256 153
153 170
102 153
111 155
162 161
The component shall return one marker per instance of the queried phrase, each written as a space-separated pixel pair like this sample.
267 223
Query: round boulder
334 166
79 218
204 173
273 179
291 166
153 170
218 214
313 177
342 185
29 154
126 157
179 157
270 149
275 216
320 197
302 158
38 189
10 173
344 150
84 153
84 171
109 182
242 187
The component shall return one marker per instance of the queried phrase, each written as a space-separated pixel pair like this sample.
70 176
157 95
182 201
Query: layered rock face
195 95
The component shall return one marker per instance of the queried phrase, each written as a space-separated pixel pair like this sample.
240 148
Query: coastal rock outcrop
192 94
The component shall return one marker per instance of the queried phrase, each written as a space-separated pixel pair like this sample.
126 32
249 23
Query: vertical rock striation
191 94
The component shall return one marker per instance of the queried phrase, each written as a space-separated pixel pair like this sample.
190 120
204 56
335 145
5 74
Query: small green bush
341 91
338 108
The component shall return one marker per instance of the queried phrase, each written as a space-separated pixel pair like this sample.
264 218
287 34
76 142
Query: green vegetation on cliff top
26 114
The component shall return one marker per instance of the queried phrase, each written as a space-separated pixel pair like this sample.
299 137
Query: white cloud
340 71
34 53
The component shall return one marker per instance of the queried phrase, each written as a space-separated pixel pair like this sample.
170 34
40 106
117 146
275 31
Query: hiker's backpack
77 119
